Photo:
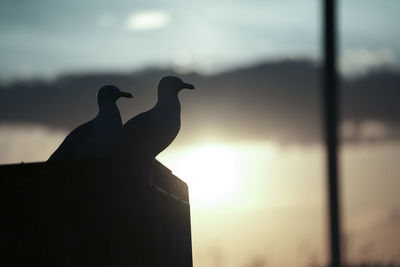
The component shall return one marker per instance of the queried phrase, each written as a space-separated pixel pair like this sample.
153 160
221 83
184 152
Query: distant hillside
279 100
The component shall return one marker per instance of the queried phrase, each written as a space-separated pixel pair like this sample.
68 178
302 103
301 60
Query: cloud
279 101
147 20
360 61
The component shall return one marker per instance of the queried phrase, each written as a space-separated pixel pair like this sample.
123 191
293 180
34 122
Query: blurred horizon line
131 71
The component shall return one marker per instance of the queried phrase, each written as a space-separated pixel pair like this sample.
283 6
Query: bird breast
165 124
106 136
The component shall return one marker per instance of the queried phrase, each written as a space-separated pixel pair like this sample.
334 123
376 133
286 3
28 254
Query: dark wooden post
331 121
94 213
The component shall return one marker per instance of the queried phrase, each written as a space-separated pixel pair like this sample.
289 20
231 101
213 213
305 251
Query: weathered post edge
105 212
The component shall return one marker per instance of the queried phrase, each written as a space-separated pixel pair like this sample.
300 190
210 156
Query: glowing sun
212 172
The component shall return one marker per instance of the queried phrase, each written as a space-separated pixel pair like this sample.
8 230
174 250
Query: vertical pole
331 118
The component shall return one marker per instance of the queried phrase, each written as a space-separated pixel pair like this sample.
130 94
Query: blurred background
250 147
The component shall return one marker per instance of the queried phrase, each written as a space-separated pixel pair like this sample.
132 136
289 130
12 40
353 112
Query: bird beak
125 94
188 86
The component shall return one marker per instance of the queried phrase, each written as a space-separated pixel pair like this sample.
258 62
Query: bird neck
168 98
109 110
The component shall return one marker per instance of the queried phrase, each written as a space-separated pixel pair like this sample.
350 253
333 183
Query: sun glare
213 172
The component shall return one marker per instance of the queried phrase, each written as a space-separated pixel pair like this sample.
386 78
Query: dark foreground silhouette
98 137
146 134
99 213
152 131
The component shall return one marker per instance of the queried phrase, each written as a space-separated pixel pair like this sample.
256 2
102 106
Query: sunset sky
257 194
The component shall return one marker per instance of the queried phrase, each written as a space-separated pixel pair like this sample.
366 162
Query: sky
47 38
255 201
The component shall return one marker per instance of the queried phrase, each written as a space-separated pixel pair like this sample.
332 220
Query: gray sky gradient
48 38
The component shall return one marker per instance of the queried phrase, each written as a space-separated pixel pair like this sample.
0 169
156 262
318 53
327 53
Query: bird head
173 85
111 93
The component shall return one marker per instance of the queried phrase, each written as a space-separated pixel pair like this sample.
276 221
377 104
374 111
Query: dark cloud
278 100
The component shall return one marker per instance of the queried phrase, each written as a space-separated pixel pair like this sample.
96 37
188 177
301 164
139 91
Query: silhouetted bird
152 131
99 137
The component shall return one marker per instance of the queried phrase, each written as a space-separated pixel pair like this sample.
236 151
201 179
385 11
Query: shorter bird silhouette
152 131
98 137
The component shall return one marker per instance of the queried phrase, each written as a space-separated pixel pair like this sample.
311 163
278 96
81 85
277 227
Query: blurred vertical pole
331 118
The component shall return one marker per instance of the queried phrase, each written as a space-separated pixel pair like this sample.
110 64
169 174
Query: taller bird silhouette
98 137
152 131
